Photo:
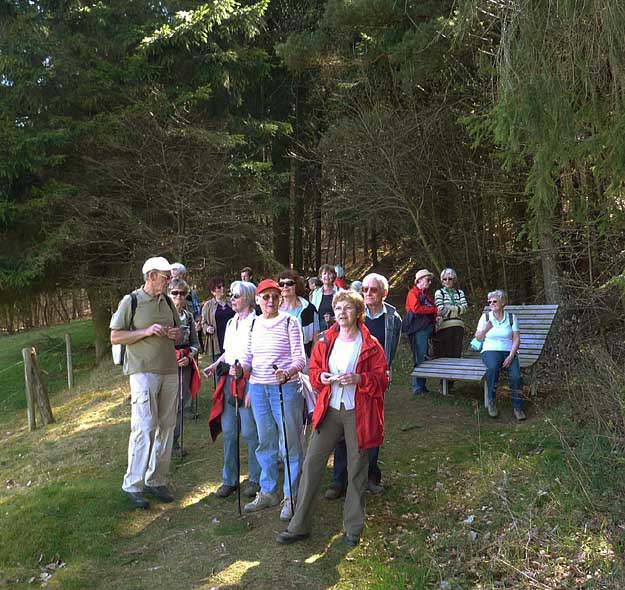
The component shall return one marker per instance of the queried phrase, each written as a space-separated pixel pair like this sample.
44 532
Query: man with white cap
146 324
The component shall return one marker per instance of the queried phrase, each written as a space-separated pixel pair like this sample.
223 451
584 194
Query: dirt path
200 542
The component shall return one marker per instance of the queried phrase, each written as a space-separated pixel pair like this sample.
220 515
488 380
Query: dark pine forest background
486 135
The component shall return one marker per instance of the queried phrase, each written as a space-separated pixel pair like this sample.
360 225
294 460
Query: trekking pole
212 347
286 442
180 408
236 419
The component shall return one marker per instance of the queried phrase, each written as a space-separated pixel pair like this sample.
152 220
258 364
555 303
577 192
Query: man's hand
156 330
183 361
174 334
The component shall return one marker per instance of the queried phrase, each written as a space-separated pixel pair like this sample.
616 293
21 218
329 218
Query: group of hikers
287 356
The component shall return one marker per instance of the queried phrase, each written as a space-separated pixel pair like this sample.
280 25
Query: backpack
119 350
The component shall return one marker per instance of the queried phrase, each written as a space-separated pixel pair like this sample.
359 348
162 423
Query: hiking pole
286 442
212 347
180 408
236 419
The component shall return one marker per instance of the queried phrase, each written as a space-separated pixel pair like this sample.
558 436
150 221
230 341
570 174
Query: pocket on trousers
141 404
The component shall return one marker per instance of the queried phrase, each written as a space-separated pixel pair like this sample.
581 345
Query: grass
50 346
469 503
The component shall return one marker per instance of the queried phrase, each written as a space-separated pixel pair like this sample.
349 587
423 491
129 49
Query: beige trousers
152 420
335 425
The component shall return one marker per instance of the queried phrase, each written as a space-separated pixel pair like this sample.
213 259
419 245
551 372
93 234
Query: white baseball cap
156 263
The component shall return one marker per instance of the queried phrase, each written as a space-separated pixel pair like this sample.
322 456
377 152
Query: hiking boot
263 500
286 513
519 414
374 488
223 491
138 500
333 493
251 489
286 538
160 493
493 412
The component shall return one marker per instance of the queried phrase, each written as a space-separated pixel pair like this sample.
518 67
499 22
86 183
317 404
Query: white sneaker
286 513
261 502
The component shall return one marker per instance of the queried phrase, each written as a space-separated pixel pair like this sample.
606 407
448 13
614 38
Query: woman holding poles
222 417
275 340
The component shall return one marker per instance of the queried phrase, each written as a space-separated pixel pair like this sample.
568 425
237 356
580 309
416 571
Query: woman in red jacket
419 323
348 367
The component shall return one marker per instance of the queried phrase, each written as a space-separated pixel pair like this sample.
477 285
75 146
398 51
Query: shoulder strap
133 308
510 319
171 306
486 314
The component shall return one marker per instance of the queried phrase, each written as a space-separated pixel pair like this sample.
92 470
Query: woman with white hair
499 333
222 417
451 303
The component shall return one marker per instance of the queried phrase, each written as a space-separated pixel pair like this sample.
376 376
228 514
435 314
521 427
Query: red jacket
369 399
219 399
413 302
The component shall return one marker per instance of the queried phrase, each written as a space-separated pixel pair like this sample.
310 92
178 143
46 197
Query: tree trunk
374 244
548 256
101 317
317 215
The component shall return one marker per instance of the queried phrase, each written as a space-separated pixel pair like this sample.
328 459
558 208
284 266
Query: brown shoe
224 490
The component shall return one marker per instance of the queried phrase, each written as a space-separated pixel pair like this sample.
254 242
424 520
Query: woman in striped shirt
275 339
452 305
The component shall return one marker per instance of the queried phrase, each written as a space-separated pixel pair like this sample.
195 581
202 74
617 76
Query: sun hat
424 272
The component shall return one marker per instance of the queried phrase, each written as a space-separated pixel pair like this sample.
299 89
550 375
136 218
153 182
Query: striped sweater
278 341
451 304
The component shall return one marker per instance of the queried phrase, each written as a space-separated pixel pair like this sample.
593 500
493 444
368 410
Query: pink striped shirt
272 342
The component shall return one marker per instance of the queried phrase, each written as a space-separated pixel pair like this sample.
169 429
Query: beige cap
424 272
156 263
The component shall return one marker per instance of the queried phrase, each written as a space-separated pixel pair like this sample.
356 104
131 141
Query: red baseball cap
266 284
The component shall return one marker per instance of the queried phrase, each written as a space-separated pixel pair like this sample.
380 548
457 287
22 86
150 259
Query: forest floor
469 502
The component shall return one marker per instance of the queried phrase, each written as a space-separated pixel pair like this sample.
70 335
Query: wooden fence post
26 355
37 388
70 361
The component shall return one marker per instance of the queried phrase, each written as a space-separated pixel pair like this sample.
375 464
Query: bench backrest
534 323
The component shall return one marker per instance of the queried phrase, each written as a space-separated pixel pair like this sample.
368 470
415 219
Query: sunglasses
268 296
448 278
234 295
176 293
493 301
286 283
373 290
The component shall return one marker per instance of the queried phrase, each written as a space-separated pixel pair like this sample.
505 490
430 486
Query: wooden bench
534 324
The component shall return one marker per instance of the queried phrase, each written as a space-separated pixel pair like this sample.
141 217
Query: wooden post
37 388
26 355
70 361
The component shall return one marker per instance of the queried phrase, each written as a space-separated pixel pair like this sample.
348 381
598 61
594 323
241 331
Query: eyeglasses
493 301
286 283
373 290
165 275
176 293
219 286
234 295
448 278
268 296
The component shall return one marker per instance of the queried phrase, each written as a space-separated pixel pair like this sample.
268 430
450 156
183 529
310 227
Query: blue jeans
266 407
419 345
493 359
339 475
250 436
